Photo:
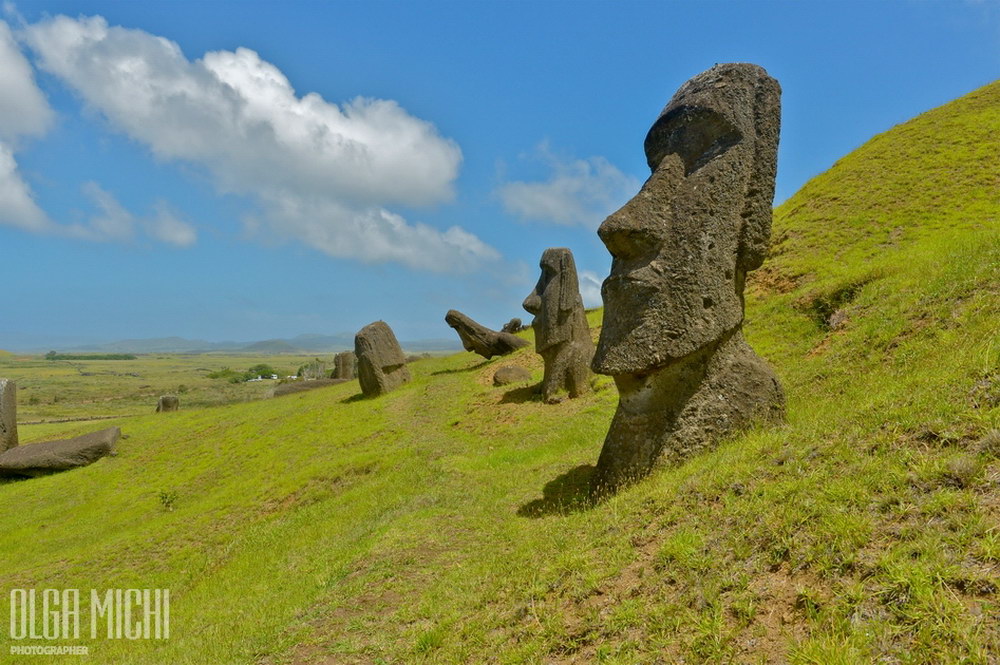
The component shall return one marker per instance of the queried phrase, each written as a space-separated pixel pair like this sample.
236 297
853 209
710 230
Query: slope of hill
446 522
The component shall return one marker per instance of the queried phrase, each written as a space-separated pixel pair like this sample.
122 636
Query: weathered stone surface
168 403
345 365
381 363
302 386
480 339
39 459
510 374
8 414
673 304
562 336
513 326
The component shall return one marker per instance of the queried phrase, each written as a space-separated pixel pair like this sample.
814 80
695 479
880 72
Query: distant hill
308 343
271 346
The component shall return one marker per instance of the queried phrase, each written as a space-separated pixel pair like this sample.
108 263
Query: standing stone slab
8 414
381 363
480 339
673 304
168 403
39 459
562 336
345 365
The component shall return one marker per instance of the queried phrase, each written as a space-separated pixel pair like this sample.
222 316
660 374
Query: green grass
60 389
444 523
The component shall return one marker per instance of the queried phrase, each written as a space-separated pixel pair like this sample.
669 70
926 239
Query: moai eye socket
696 135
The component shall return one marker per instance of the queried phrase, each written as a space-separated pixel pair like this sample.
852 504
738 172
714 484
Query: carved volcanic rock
513 326
345 365
8 414
168 403
509 374
480 339
39 459
562 336
673 304
381 363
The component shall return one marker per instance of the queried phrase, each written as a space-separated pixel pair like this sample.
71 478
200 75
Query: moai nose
533 303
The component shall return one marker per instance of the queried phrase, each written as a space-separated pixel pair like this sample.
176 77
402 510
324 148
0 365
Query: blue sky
250 170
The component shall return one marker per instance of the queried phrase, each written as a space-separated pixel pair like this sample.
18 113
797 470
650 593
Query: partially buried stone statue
562 336
381 363
512 326
168 403
39 459
480 339
345 365
673 304
8 414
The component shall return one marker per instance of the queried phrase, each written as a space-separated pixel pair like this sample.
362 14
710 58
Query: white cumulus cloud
322 173
23 112
578 192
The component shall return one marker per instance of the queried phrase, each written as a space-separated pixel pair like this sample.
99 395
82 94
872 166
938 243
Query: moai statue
345 365
480 339
168 403
562 336
381 363
673 303
41 459
8 414
512 326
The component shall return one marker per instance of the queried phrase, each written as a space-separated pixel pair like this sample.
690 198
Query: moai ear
569 287
757 213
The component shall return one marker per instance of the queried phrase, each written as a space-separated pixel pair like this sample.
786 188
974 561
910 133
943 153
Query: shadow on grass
522 395
569 493
459 371
353 398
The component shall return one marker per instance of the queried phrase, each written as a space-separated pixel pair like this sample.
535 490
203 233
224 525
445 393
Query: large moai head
682 246
381 363
555 298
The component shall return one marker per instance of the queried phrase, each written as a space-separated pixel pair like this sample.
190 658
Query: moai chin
562 336
8 415
673 303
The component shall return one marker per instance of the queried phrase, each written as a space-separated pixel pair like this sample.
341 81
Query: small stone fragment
510 374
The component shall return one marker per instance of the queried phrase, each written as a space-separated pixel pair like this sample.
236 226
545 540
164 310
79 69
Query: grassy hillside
445 523
55 390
